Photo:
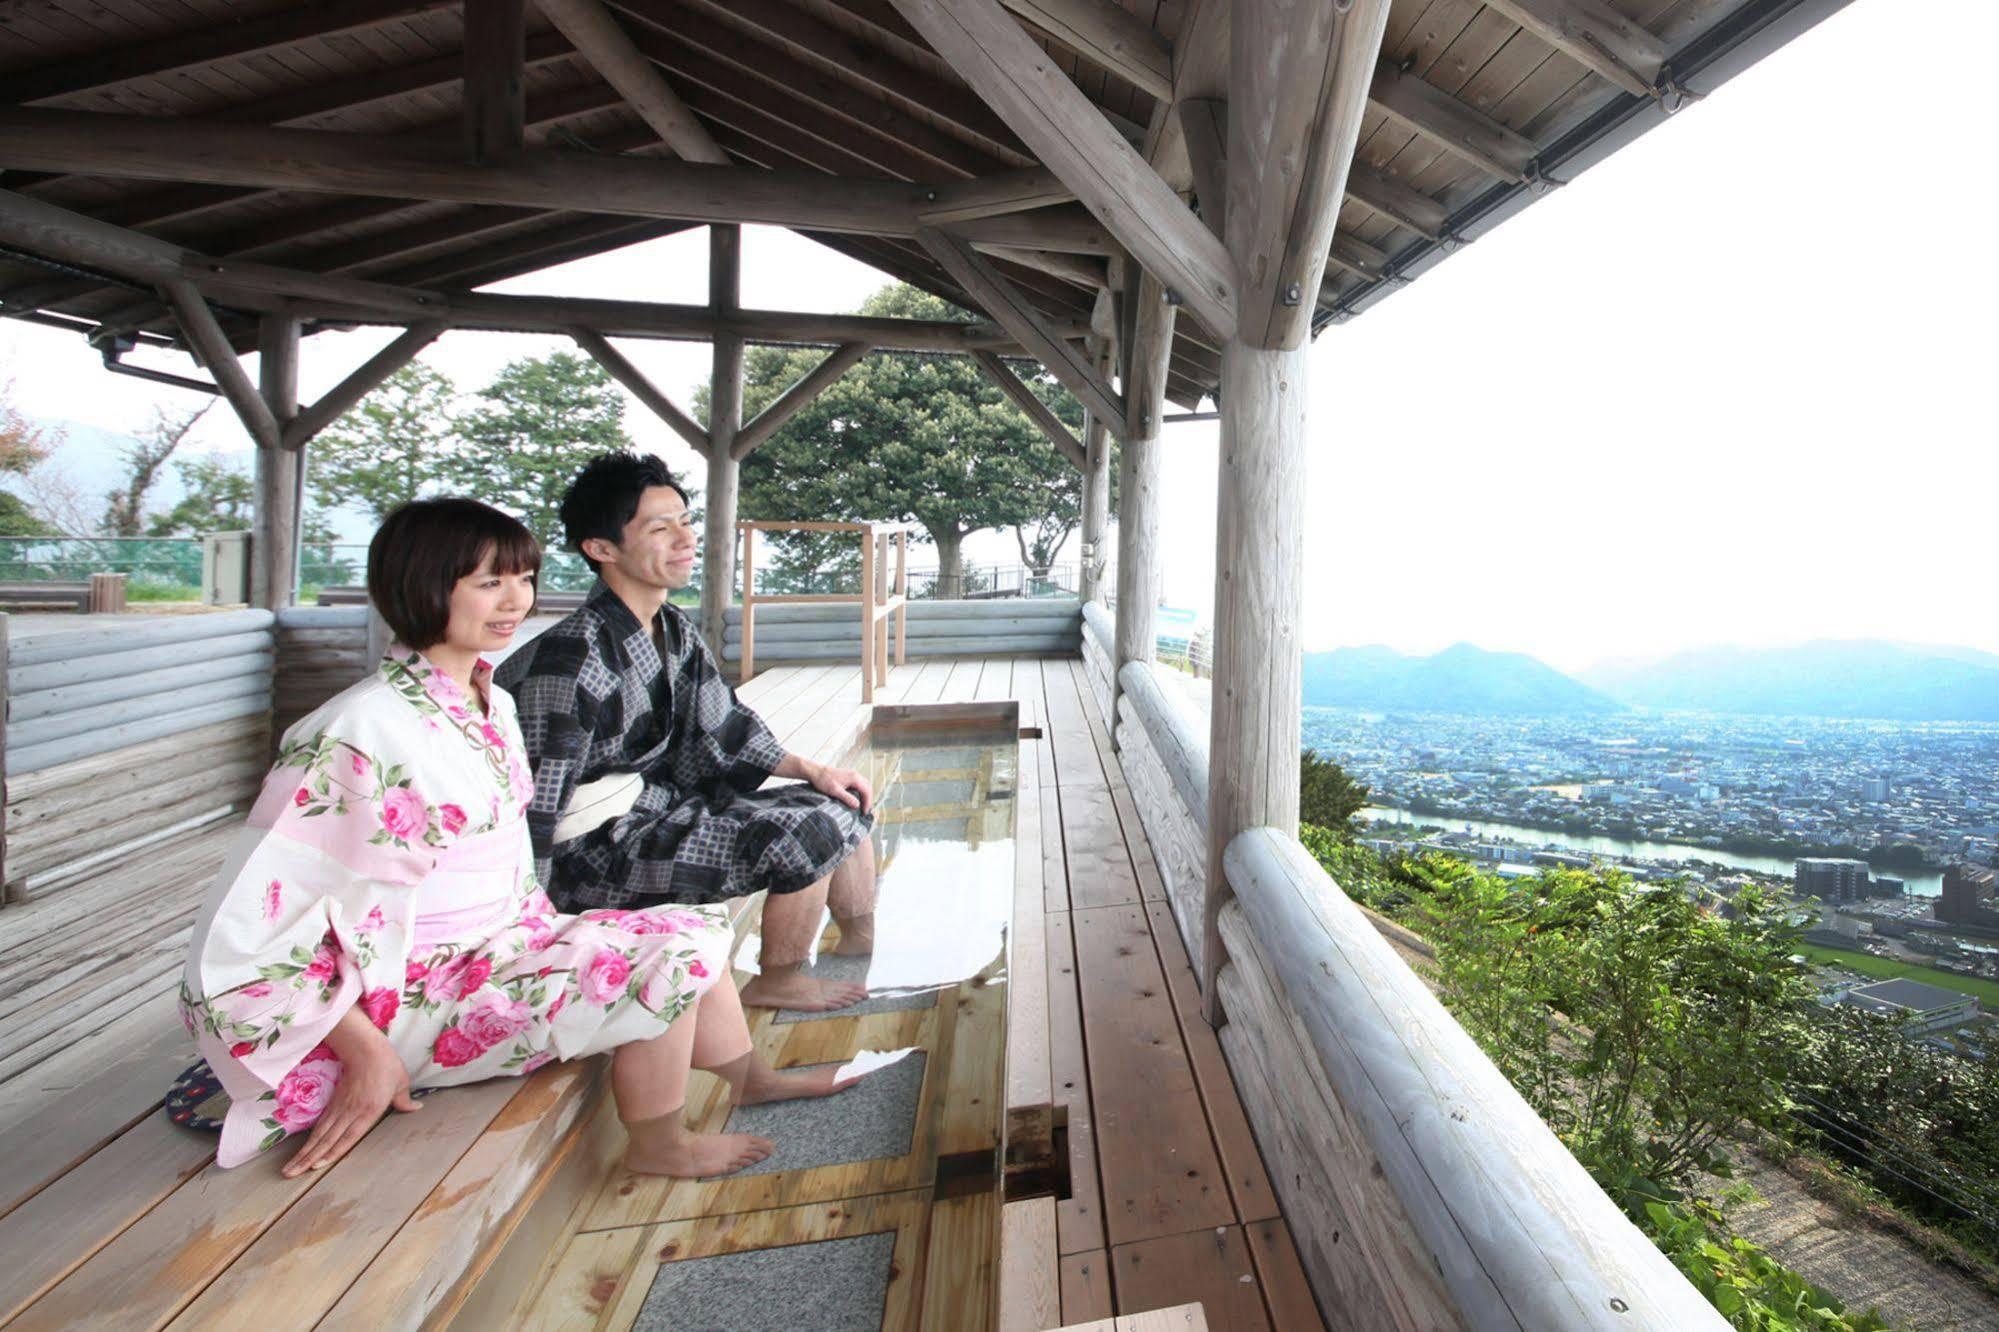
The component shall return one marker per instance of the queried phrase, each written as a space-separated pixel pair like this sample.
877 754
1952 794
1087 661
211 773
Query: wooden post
868 624
1096 489
495 80
725 417
747 666
279 471
1138 576
902 590
1298 82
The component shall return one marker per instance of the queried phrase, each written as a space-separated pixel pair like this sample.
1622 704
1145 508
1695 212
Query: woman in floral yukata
378 927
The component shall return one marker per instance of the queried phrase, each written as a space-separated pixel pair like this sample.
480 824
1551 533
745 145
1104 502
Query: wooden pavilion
1160 201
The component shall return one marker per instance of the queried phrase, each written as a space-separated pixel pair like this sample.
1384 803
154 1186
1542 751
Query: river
1920 885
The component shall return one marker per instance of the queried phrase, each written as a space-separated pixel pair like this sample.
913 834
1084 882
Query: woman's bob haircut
424 547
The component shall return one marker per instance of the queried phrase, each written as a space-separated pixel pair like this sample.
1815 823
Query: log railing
1422 1190
121 732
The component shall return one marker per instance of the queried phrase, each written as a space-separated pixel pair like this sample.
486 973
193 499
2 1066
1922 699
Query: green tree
1328 796
397 444
541 420
908 438
24 446
220 497
145 457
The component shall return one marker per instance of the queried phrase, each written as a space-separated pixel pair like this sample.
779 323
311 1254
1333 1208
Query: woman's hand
372 1082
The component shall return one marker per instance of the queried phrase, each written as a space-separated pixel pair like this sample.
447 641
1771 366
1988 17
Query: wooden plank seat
112 1216
98 594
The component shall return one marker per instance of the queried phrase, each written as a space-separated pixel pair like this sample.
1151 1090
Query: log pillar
1096 505
725 418
280 471
1298 81
1138 576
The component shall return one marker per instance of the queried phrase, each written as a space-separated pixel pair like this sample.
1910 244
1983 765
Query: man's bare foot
802 993
765 1083
857 938
699 1155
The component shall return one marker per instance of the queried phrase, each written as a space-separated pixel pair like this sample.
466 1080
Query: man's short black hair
605 496
424 547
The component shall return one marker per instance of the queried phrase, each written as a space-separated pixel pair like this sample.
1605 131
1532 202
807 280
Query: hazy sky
1731 385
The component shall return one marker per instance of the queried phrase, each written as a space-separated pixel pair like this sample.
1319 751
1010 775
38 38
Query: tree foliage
394 446
908 438
536 425
219 496
145 458
1328 796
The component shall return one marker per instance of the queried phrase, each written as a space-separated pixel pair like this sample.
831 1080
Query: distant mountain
1461 679
1827 678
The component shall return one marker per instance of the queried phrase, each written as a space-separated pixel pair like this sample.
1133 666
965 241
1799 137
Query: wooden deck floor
1168 1200
1167 1204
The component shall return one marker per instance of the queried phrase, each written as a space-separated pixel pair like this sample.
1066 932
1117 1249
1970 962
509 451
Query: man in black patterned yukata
649 772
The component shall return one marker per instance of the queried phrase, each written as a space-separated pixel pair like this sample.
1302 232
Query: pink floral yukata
387 864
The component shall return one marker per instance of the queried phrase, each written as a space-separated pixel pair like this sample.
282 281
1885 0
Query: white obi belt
594 804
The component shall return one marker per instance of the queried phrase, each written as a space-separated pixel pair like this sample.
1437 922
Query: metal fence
146 561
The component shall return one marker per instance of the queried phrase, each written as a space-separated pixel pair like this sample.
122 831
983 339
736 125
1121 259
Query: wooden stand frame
878 603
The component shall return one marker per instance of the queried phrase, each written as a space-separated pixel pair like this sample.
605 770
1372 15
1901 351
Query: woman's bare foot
698 1155
765 1083
785 987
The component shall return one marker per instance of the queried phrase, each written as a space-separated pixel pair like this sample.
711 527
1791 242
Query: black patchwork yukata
598 694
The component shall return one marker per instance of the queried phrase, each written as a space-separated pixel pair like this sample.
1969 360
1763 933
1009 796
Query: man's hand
845 785
372 1082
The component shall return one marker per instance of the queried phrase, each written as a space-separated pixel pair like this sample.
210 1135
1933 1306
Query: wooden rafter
671 26
1072 138
232 37
798 31
1204 125
612 53
794 399
1010 310
342 397
1037 411
994 196
1596 37
1107 35
622 370
1406 206
1463 131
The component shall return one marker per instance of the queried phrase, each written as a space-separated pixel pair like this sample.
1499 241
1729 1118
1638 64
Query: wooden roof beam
1037 411
1107 35
1459 129
998 298
1072 138
1596 37
232 37
795 398
622 370
142 147
996 195
611 51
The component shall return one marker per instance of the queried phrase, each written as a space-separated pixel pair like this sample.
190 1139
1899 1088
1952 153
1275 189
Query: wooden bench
102 594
